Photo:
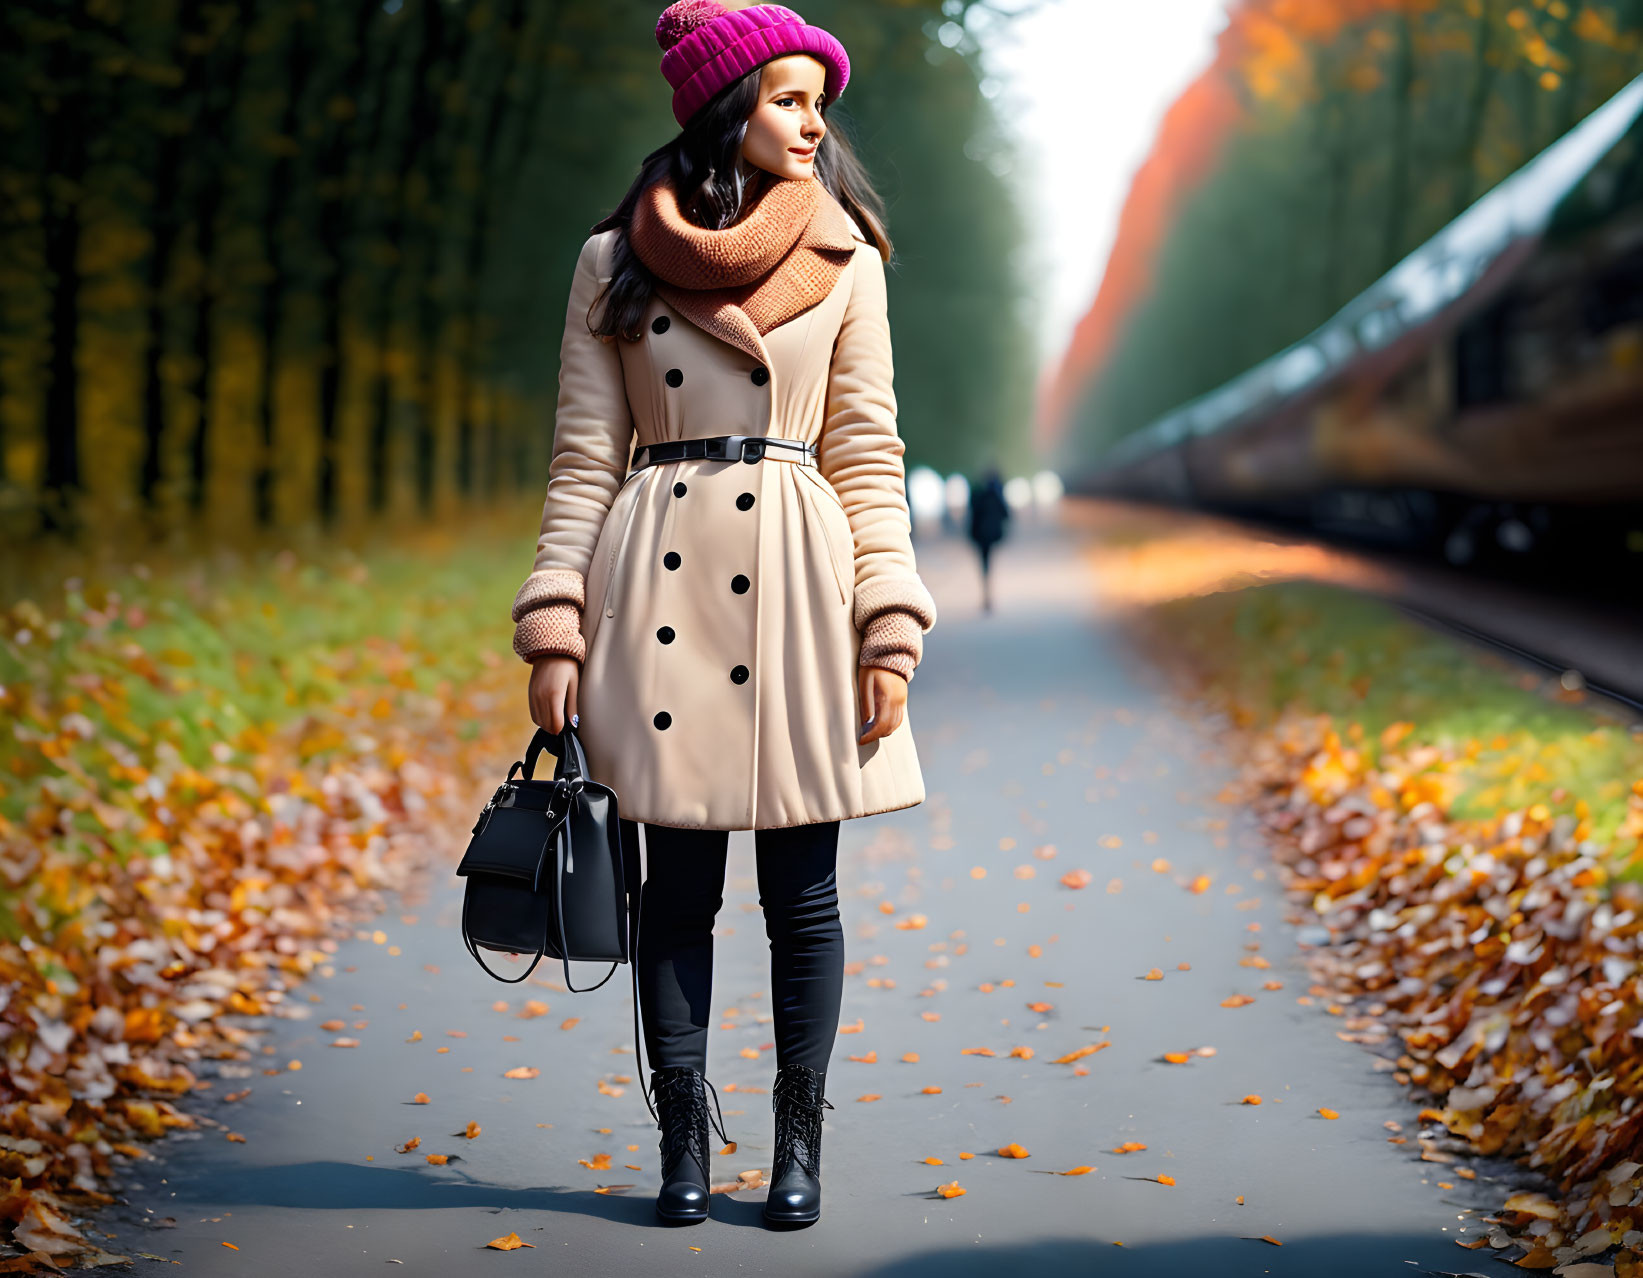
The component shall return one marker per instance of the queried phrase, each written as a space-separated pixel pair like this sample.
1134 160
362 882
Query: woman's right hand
554 682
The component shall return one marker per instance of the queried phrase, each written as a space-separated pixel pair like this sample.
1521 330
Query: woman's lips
801 152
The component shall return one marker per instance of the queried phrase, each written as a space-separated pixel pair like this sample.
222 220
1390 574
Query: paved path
1036 729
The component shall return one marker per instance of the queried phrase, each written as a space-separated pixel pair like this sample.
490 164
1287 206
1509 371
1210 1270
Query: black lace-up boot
681 1105
795 1173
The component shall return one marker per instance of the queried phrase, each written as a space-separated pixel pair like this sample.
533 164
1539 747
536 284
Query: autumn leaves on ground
212 771
1468 834
215 772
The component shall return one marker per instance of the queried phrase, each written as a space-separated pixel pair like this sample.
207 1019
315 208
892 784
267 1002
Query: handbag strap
573 767
467 939
630 877
561 841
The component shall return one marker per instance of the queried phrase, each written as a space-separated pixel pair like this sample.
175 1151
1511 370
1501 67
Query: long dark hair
704 163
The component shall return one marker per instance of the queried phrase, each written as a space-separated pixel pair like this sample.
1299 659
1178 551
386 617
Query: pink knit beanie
707 46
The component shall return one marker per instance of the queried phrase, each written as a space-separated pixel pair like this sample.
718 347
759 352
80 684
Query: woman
725 578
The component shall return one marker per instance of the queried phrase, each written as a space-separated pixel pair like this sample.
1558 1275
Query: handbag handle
573 761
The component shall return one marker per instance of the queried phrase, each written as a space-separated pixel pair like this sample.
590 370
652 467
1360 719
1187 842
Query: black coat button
675 377
662 719
670 560
739 584
679 489
744 502
665 634
739 675
760 376
660 324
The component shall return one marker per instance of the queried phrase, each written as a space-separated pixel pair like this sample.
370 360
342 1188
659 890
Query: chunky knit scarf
783 257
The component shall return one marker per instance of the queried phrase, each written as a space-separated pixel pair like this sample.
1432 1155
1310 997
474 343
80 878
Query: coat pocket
816 509
618 546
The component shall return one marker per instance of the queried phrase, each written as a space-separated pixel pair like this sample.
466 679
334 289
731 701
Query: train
1480 403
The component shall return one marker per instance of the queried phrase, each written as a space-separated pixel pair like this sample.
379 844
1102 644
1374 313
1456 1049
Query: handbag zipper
490 805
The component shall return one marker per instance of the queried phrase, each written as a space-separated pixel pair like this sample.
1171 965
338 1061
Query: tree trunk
430 314
165 229
1397 186
335 228
1477 109
500 182
422 121
211 162
64 175
271 299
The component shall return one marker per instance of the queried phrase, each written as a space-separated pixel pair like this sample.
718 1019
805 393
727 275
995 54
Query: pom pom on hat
679 20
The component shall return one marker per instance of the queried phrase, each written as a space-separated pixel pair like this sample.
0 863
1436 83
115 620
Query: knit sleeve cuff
546 586
903 593
551 630
893 641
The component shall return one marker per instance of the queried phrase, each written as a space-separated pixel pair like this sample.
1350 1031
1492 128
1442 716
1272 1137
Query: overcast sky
1084 84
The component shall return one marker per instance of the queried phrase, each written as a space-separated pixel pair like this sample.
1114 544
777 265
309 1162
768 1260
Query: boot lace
798 1105
686 1118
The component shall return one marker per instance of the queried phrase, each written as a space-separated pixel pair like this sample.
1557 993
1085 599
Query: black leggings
683 890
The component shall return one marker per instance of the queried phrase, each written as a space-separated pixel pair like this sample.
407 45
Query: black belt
747 448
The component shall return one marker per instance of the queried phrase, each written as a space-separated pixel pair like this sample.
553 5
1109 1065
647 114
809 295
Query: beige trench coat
723 603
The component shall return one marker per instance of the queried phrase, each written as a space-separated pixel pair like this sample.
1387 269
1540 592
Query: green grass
1321 649
204 661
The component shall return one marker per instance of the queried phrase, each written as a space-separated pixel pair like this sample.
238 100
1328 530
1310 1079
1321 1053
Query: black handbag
548 874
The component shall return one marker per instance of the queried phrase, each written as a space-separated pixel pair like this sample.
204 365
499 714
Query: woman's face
786 126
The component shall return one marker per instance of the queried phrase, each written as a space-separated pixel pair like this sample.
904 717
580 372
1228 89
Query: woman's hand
883 701
554 682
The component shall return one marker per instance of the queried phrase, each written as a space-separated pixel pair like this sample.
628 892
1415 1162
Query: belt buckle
747 448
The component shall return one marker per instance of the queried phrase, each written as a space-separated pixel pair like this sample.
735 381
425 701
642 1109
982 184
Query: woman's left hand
883 701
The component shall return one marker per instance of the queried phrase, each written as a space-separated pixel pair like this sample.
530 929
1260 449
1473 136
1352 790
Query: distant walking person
989 513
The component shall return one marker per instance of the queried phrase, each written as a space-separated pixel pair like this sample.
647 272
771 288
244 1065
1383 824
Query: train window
1480 359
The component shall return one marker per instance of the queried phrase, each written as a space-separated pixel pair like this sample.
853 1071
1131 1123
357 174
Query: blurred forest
1328 139
289 267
